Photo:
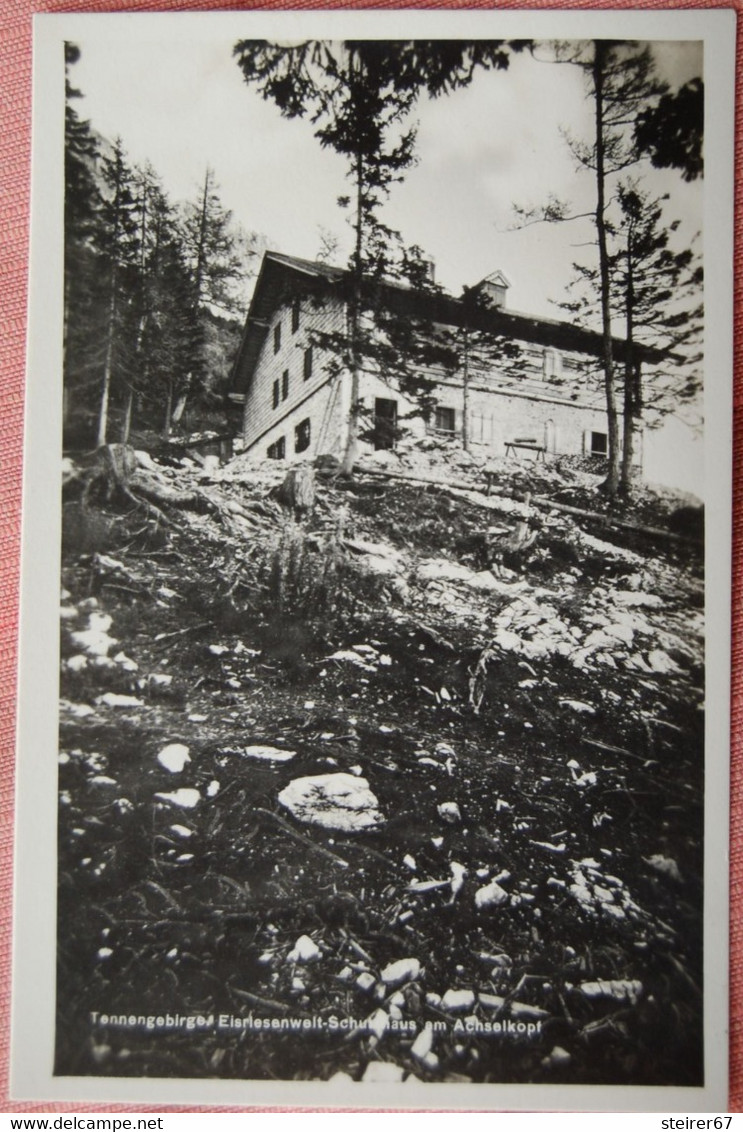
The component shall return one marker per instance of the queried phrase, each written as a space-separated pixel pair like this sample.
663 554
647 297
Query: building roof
282 276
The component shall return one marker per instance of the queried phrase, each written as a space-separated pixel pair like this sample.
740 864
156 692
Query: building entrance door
385 423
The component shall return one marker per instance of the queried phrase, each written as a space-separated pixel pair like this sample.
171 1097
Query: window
302 436
277 338
445 420
285 385
385 423
599 446
308 361
296 308
552 364
277 450
276 394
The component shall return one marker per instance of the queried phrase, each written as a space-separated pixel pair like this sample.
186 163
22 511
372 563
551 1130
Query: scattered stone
378 1022
410 862
421 1047
212 789
270 754
526 1010
458 873
334 801
490 896
579 707
450 812
174 757
665 865
366 981
187 797
305 950
95 640
382 1073
458 1000
113 699
401 971
79 711
621 990
557 1057
661 662
182 830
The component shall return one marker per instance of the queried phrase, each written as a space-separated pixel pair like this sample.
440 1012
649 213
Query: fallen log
491 503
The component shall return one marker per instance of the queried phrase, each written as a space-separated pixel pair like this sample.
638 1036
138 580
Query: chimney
493 288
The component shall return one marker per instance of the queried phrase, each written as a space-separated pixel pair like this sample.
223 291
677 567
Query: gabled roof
282 276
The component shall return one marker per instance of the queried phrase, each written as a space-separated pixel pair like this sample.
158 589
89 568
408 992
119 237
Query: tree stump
297 492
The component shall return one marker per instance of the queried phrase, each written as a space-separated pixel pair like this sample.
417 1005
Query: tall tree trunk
630 375
107 367
168 410
126 424
354 317
612 476
466 393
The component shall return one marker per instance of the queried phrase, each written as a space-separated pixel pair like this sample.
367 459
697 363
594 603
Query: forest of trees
154 292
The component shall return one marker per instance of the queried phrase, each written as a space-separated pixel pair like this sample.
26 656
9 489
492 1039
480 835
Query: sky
184 106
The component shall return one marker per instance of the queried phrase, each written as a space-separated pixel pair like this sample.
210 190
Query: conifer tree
82 205
359 96
117 248
217 255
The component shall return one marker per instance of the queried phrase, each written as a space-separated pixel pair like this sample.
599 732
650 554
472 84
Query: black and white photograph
387 719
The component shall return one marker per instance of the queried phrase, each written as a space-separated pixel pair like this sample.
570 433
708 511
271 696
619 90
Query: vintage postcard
373 732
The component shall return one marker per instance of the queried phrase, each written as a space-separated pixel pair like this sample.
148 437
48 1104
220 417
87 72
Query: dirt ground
525 901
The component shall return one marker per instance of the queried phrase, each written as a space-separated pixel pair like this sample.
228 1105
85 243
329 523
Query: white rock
578 706
661 662
79 711
620 990
378 1022
665 865
334 801
490 1001
174 757
401 971
305 950
351 657
182 830
490 896
113 699
382 1072
212 789
366 981
456 1000
410 862
271 754
558 1056
187 797
422 1044
76 663
458 873
449 812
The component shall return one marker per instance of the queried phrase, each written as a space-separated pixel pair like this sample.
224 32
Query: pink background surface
15 168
